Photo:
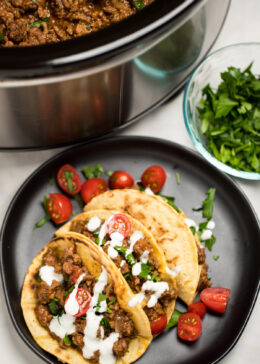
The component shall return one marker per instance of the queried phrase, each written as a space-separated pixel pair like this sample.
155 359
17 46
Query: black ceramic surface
237 232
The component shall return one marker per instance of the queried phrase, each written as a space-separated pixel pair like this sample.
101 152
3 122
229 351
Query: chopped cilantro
68 292
145 270
127 275
38 23
53 307
113 179
105 322
155 278
178 178
38 279
209 243
208 204
112 301
174 319
139 4
230 119
67 340
93 171
46 218
141 187
216 257
109 173
193 229
98 240
101 297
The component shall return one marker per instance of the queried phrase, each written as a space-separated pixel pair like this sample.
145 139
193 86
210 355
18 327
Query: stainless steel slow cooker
82 88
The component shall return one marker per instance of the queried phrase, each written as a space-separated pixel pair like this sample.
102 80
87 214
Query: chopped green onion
93 171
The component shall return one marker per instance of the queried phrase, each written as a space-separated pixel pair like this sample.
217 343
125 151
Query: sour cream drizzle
158 288
71 306
191 223
91 342
137 235
63 325
137 267
48 275
94 223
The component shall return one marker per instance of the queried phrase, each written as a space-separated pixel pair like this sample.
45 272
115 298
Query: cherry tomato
59 207
93 187
119 223
189 326
69 180
215 298
120 179
154 177
197 307
76 272
157 326
83 298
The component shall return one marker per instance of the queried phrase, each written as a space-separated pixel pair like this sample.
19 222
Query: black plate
237 231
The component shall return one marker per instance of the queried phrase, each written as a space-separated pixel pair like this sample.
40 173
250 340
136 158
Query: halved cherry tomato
121 179
215 298
76 272
119 223
93 187
83 298
189 326
197 307
154 177
59 207
69 180
157 326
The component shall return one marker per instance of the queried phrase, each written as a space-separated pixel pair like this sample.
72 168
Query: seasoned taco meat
34 22
52 304
142 251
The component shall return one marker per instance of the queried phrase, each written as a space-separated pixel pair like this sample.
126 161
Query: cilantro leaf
174 319
47 216
105 322
93 171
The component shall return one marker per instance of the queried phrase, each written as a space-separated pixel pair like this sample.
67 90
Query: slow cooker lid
100 44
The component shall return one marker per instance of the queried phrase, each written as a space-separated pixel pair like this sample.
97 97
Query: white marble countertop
242 24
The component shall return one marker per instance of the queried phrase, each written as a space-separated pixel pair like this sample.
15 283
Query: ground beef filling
135 282
204 281
34 22
51 300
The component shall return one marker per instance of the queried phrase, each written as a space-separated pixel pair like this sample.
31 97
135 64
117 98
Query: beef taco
137 256
184 255
75 304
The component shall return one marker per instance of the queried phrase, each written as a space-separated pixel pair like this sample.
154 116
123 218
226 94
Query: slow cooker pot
82 88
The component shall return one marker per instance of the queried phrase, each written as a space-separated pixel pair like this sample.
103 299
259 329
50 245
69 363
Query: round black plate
237 232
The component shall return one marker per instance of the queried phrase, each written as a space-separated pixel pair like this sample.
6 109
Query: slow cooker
67 92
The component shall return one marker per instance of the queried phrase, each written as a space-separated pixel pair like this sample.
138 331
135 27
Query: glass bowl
208 72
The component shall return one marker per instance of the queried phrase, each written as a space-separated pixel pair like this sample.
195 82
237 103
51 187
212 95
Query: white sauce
94 223
158 288
136 269
91 342
191 223
122 263
137 235
206 234
144 257
116 239
138 298
173 272
211 225
149 191
48 275
103 230
112 252
71 306
63 325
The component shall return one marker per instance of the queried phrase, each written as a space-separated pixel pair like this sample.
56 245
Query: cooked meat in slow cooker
34 22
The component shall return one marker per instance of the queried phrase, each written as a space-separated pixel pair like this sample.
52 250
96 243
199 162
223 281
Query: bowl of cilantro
221 109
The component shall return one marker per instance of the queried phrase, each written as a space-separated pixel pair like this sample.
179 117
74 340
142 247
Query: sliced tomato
69 180
189 326
157 326
197 307
93 187
120 179
59 207
83 298
76 272
154 177
215 298
119 223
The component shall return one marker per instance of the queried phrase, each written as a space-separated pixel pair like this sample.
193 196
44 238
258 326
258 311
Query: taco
138 257
75 304
184 255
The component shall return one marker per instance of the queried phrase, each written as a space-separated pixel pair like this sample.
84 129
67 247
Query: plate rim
192 154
